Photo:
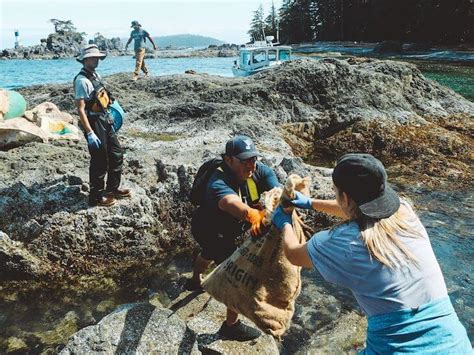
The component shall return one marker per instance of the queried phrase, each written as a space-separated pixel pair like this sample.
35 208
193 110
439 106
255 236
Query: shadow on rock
185 301
135 323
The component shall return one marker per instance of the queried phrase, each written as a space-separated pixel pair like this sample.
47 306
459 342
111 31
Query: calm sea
19 73
456 73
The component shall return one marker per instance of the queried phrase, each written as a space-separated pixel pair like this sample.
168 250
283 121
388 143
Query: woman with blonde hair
382 253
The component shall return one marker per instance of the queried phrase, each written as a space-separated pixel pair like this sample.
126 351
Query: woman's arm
328 206
296 253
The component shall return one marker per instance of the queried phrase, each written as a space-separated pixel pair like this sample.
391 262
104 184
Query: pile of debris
43 123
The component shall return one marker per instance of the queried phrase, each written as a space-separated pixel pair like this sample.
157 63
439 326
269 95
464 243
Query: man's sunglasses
247 161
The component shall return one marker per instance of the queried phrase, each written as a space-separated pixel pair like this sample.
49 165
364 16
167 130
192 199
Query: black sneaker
238 331
192 285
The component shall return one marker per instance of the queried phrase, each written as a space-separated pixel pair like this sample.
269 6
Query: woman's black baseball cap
364 179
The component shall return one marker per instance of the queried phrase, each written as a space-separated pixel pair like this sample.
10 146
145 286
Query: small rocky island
66 42
302 115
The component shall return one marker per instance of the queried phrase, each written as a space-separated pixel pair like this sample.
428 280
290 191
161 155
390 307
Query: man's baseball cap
364 179
135 23
241 147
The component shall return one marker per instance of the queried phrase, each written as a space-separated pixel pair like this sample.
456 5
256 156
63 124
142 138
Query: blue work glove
280 218
302 201
93 141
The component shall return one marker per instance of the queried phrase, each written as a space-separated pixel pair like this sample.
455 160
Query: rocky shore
114 48
62 44
225 50
302 115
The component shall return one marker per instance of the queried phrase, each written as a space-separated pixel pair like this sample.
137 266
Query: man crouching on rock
228 207
92 101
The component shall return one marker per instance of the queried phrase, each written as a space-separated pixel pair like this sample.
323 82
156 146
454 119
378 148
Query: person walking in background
382 253
92 101
139 35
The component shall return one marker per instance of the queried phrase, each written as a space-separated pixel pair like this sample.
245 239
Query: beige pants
140 62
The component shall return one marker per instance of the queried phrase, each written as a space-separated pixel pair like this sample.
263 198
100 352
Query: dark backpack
201 179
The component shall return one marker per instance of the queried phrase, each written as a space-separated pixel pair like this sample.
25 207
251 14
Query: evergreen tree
298 20
271 22
286 24
257 25
328 26
61 26
428 21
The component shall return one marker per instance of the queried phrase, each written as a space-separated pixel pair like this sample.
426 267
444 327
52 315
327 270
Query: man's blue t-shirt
139 38
222 183
341 257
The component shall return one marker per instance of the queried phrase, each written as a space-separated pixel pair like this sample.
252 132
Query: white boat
259 56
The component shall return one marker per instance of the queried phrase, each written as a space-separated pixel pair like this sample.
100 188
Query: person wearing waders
227 210
92 102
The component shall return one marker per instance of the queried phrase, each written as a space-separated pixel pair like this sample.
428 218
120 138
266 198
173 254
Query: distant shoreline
159 53
369 49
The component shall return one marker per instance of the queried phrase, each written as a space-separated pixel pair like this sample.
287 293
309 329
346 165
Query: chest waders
108 159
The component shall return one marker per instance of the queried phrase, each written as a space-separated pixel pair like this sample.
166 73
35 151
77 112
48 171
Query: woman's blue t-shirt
342 258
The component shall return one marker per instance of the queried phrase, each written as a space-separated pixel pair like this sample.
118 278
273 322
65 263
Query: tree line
423 21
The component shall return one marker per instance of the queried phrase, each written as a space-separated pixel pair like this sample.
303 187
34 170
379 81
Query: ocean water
366 49
456 74
17 73
459 77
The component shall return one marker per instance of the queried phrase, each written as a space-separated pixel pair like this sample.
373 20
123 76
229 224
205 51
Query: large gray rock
205 316
189 326
106 44
135 328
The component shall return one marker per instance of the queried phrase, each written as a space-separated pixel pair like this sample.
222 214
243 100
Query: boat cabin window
284 55
272 55
246 58
259 56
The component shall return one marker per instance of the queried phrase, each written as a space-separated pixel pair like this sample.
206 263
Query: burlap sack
257 280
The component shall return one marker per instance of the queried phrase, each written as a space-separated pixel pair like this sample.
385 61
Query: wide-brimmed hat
364 179
91 51
241 147
135 23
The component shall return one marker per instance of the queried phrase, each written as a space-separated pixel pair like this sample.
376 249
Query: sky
227 20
